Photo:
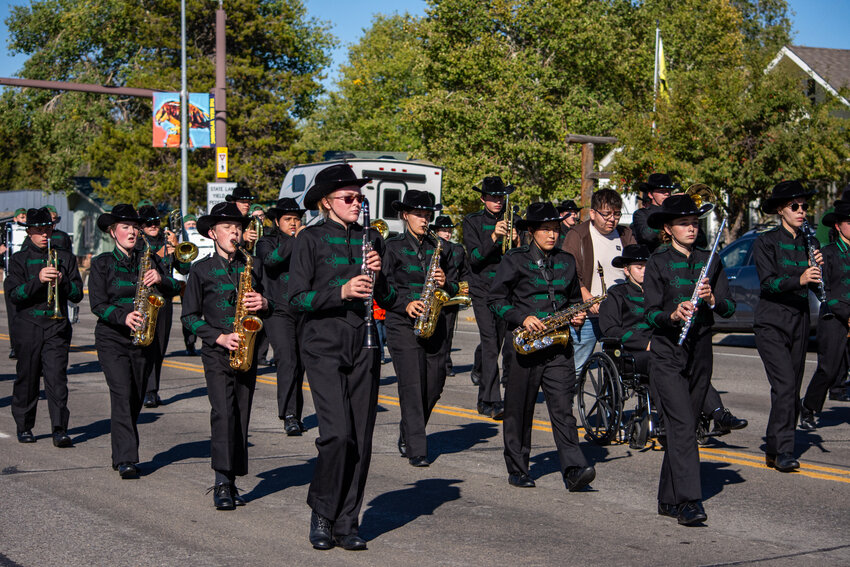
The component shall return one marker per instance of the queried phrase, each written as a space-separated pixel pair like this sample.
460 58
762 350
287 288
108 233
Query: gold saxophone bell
703 197
382 227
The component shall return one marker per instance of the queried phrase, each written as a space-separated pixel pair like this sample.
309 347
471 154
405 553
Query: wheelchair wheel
600 401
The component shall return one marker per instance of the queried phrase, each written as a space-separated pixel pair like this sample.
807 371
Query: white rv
390 180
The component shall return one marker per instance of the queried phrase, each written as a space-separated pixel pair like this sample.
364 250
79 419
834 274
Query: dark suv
740 268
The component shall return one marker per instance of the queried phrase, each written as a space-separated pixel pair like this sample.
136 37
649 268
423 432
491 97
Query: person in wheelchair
681 373
531 283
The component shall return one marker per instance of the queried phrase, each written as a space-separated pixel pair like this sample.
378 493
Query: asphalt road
68 507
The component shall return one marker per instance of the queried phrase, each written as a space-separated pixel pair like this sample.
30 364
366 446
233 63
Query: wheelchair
607 380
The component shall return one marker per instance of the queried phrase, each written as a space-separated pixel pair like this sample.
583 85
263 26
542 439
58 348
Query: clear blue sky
817 23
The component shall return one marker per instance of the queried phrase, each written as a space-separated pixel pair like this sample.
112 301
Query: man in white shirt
594 242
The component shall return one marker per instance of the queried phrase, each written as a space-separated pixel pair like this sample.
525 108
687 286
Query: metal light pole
184 104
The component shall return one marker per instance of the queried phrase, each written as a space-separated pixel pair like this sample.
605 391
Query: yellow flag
663 89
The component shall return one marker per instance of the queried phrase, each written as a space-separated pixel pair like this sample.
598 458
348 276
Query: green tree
276 56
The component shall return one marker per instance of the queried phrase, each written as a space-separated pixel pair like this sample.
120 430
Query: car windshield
737 254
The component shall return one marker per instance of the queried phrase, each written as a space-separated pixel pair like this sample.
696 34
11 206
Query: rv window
389 196
298 182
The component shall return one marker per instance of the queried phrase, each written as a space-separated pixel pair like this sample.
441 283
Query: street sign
221 163
216 192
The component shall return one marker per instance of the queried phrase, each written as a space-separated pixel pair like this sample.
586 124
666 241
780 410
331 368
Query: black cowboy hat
568 205
632 254
783 192
122 212
417 200
657 181
538 213
149 215
674 207
38 217
285 206
840 212
240 194
222 212
329 180
443 222
494 186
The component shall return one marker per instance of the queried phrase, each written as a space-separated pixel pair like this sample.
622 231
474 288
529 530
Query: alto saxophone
53 285
531 341
147 301
433 297
462 298
244 324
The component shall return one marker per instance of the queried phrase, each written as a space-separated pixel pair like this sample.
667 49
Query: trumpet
510 211
53 285
256 224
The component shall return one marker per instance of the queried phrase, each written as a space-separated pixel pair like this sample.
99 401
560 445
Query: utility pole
220 78
184 108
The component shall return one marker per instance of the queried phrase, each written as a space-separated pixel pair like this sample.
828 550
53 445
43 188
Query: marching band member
60 240
206 248
152 231
113 281
781 323
571 211
655 189
18 237
283 327
832 331
420 363
533 282
243 198
443 228
327 286
213 292
483 232
42 340
681 374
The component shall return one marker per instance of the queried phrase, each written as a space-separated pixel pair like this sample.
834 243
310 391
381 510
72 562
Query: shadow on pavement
199 392
95 429
460 439
5 377
715 476
393 510
282 478
181 452
85 367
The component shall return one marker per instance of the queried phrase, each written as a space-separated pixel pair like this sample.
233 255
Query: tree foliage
276 56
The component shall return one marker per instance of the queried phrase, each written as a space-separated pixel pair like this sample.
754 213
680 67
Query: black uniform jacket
649 237
212 289
483 254
780 259
275 251
29 294
836 279
406 262
112 287
623 316
671 278
325 257
458 263
529 282
157 243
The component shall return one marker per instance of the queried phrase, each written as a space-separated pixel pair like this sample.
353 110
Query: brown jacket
578 243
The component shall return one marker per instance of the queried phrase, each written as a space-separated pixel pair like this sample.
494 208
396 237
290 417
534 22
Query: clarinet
369 338
811 249
695 294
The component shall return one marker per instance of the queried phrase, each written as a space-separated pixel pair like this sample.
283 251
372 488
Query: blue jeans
583 346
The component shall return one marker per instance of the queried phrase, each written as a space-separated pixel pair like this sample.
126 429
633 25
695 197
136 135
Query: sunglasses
797 206
349 199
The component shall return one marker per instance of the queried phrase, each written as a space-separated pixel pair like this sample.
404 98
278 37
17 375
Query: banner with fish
166 120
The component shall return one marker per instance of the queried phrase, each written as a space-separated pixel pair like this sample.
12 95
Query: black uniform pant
263 344
712 401
160 344
420 368
126 368
553 369
230 393
10 314
492 331
344 384
782 336
283 330
450 313
832 362
41 350
681 375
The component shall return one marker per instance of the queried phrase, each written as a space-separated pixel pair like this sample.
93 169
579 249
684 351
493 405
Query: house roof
829 67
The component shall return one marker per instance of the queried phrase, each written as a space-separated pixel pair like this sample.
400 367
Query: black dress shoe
842 395
419 462
521 480
783 462
726 422
128 470
12 354
485 408
238 499
498 410
350 542
190 350
61 439
450 372
807 418
292 426
26 436
223 496
671 510
402 446
691 513
579 477
474 376
320 532
150 400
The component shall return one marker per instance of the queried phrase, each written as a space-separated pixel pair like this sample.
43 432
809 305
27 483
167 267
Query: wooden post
588 176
